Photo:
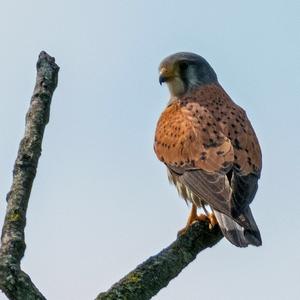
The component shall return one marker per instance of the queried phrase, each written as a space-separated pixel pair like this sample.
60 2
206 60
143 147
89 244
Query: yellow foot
193 217
200 218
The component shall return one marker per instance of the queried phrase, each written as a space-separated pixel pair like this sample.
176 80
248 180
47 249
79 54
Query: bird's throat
176 87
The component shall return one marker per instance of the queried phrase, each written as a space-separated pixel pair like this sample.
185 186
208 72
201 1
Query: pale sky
101 203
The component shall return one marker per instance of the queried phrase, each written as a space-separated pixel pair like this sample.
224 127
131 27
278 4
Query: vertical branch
13 281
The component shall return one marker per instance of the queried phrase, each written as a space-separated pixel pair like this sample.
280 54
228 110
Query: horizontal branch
13 281
156 272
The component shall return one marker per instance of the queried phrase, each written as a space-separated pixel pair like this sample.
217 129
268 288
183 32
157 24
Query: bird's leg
212 220
210 216
192 218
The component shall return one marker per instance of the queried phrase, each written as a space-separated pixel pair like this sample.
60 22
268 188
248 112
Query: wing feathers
215 190
235 233
212 188
244 189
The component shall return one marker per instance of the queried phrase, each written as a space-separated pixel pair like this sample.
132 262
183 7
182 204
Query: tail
240 235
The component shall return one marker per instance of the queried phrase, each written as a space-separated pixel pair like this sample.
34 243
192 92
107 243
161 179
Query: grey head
184 71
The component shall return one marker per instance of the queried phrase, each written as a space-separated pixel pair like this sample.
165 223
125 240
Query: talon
203 218
193 217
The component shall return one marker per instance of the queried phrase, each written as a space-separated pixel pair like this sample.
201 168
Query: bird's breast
186 135
174 130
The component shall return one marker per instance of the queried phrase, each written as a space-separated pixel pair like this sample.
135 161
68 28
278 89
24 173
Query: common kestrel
209 147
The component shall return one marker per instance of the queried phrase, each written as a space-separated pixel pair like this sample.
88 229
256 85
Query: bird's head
184 71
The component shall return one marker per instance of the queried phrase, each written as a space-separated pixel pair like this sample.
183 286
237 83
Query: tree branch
13 281
156 272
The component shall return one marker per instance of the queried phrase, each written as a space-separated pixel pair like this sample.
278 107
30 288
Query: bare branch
156 272
13 281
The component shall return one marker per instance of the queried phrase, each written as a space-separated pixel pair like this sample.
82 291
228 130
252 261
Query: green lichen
14 217
133 278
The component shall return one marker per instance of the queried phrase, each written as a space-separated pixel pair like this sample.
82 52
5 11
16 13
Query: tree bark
156 272
15 283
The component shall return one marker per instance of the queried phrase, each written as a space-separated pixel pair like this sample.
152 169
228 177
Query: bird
209 147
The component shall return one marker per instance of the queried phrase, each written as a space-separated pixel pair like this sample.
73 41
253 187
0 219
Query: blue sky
101 202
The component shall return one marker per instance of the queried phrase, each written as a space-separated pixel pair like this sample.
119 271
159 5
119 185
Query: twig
156 272
16 284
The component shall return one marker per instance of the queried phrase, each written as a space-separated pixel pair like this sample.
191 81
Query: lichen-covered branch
13 281
156 272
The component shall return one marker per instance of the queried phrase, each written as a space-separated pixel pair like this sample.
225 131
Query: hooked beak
162 79
163 76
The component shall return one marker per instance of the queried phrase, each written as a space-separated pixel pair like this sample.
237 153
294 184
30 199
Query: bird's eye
183 65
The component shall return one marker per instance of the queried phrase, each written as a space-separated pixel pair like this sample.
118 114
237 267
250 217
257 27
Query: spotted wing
236 126
247 159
